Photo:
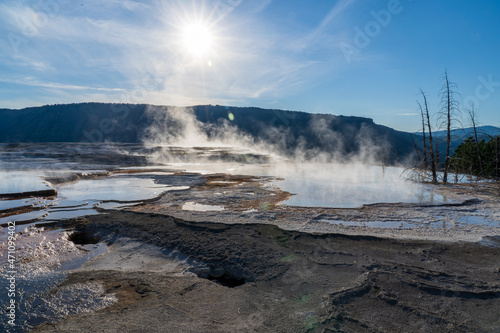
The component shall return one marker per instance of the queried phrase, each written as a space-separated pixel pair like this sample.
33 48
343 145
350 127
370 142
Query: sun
197 39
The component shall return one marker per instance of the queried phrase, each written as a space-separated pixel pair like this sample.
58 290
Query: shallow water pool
80 198
352 186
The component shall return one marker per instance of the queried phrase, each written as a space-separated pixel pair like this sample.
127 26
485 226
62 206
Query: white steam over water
178 141
326 180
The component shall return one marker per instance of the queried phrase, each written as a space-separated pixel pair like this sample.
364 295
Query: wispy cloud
132 50
27 81
334 13
318 34
407 114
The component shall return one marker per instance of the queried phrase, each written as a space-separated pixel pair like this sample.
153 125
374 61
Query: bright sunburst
197 39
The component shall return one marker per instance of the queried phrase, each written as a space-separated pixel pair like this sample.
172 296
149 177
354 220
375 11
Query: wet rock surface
472 212
43 257
221 251
293 281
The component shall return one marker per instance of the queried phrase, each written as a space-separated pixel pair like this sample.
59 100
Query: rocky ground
185 276
228 256
471 211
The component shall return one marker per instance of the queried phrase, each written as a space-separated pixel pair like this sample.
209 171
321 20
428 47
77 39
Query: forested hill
288 131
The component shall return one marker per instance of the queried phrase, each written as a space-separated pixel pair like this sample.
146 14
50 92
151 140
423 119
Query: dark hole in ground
83 237
226 280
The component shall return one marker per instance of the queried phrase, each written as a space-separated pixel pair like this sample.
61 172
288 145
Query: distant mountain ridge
463 133
287 131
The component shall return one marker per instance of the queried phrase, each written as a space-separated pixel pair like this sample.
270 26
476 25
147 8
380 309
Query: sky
343 57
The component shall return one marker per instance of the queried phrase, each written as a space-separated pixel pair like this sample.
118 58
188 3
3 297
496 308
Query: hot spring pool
351 186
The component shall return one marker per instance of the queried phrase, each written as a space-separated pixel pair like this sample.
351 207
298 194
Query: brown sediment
18 210
232 182
226 180
49 193
260 278
138 170
207 192
266 203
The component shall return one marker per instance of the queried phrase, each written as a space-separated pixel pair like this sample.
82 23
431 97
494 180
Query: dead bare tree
472 115
423 135
431 145
448 114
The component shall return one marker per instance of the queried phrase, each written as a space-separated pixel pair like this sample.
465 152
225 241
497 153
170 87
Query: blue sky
348 57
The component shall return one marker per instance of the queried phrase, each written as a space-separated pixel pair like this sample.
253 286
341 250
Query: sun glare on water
197 39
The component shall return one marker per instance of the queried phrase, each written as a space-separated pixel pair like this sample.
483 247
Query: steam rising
179 127
337 176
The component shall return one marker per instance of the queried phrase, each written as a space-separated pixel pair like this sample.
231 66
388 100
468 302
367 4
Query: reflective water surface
351 186
88 177
77 198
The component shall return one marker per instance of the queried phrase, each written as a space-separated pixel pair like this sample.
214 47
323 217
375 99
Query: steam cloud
345 175
179 127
